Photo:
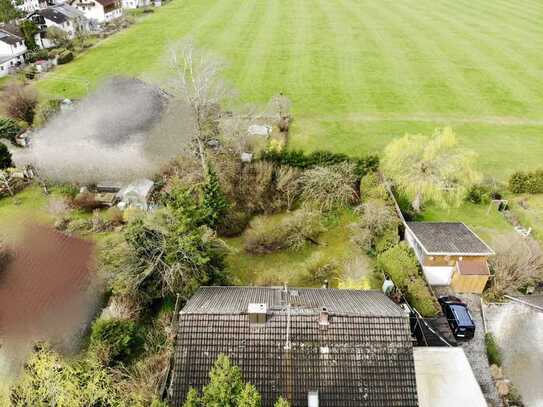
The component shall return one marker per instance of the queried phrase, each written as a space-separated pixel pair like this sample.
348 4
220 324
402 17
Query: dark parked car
458 316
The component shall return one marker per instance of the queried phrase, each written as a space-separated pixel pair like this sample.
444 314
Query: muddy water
519 333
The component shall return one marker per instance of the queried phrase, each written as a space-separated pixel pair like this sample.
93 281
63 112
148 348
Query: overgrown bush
518 262
86 201
401 265
372 188
492 351
331 187
293 232
300 159
117 339
37 55
377 229
526 182
20 102
9 129
479 194
49 380
65 57
319 268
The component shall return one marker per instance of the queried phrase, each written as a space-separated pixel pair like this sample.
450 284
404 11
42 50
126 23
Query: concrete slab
445 378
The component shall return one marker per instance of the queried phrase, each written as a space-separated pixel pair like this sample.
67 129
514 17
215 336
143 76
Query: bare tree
518 261
196 79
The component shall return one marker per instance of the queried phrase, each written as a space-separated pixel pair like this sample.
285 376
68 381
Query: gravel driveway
475 348
475 351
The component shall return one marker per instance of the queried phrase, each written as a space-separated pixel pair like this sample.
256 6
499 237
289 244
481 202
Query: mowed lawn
359 72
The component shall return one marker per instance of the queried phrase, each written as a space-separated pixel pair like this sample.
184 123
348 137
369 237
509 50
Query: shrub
522 182
65 57
37 55
319 268
400 264
293 232
68 190
20 102
330 187
300 159
492 351
372 188
478 194
5 157
86 201
233 222
9 129
377 230
119 339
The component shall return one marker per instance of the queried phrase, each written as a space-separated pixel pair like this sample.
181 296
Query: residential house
99 11
312 346
64 17
131 4
12 48
450 253
27 6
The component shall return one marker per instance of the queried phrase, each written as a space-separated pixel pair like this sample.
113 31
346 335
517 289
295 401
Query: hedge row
300 159
400 264
526 182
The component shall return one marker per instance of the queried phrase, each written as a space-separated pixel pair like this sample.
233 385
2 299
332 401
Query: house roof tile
363 357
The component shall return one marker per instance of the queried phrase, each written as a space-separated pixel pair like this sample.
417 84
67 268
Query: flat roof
445 379
448 238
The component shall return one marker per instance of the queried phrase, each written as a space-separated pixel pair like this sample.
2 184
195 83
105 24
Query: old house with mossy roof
314 347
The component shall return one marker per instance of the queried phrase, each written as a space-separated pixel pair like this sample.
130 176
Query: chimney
324 318
257 313
313 398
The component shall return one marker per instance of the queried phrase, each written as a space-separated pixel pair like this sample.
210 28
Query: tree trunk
417 202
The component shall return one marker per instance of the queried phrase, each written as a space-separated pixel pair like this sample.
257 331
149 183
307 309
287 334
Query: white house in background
64 17
450 253
12 48
130 4
99 11
27 6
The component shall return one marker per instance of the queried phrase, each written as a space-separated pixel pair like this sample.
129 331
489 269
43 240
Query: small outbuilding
450 254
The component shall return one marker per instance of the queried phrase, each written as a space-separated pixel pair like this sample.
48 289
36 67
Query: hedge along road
408 66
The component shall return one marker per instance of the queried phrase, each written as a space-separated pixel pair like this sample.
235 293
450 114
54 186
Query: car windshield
462 315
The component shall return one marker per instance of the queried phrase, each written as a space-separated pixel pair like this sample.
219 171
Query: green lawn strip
342 61
289 266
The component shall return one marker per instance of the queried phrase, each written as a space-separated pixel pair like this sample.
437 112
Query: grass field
359 72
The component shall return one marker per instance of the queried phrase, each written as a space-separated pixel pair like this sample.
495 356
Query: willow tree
432 168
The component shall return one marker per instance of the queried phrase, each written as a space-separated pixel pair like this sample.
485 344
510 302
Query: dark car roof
462 315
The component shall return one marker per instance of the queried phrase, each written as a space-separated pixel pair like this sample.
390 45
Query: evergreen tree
5 157
214 201
226 388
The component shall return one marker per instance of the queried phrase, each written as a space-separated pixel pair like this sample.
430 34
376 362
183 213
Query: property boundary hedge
300 159
526 182
401 265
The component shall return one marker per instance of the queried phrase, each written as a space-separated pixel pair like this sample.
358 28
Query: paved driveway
475 348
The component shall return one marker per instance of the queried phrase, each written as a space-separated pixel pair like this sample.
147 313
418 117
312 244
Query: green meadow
359 72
